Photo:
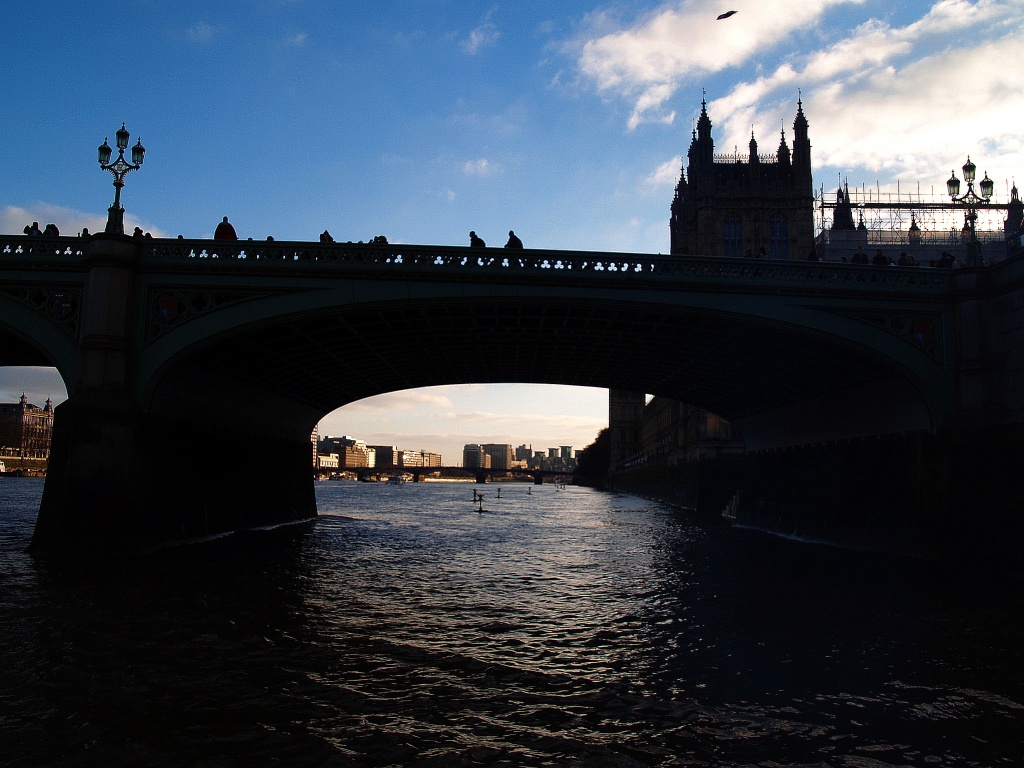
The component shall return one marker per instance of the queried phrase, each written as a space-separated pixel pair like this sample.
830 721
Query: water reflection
559 628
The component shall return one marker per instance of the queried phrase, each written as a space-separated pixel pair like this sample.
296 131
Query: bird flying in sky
725 15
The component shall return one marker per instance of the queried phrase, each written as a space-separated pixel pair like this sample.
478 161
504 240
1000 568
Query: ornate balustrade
450 262
34 251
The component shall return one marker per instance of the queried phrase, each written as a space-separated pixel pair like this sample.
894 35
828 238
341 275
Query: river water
559 627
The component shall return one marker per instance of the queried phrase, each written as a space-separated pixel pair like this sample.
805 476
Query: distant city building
500 455
25 429
352 452
328 461
387 456
474 457
314 438
524 453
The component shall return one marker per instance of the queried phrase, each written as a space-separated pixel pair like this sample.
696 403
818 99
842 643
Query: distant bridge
180 355
479 474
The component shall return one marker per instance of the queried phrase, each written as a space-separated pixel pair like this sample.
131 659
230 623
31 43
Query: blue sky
422 120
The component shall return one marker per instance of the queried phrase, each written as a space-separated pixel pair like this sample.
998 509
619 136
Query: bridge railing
34 251
455 262
587 266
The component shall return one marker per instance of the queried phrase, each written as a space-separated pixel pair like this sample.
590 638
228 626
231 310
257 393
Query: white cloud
648 61
484 35
901 101
297 40
666 174
883 100
69 221
480 167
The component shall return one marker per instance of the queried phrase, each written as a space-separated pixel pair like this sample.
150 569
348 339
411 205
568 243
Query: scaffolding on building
887 215
889 219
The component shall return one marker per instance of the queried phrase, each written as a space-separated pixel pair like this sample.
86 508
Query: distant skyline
421 120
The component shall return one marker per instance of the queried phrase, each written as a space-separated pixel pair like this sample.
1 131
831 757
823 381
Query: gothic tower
753 205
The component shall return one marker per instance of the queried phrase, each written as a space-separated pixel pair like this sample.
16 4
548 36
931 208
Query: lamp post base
115 220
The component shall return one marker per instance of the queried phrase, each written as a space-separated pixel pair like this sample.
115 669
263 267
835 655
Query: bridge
183 355
479 474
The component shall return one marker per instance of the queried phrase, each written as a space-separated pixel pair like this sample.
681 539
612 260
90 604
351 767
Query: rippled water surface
560 627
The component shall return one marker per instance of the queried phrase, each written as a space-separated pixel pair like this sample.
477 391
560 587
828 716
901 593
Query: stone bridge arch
756 363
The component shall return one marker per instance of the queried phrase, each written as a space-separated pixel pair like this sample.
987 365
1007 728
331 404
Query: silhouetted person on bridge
945 261
859 257
34 230
225 231
513 241
325 237
475 241
51 231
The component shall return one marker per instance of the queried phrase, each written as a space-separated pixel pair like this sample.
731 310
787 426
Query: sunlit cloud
896 101
900 100
665 175
13 220
402 401
645 63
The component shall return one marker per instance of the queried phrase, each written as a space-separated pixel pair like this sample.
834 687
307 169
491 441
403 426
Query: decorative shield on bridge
923 332
167 307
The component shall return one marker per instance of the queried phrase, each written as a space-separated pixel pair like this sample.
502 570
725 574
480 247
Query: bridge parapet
33 252
598 268
454 262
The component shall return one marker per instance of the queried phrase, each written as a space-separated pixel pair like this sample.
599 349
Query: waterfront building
625 415
25 429
387 456
328 461
672 431
745 205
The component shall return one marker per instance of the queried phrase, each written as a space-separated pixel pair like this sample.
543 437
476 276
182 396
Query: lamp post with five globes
120 168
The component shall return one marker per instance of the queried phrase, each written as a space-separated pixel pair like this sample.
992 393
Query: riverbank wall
953 495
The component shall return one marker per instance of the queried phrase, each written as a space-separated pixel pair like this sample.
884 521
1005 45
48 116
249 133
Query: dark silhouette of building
741 205
1013 226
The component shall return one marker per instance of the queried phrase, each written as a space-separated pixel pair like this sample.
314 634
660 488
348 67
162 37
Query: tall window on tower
778 237
732 235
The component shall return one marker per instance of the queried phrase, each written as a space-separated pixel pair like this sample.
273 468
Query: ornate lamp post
120 169
972 203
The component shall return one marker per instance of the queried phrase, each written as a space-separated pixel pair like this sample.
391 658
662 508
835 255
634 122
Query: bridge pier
122 480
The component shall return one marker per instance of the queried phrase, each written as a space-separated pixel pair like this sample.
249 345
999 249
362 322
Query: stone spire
801 144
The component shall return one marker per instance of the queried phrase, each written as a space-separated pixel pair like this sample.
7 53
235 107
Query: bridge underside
779 385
